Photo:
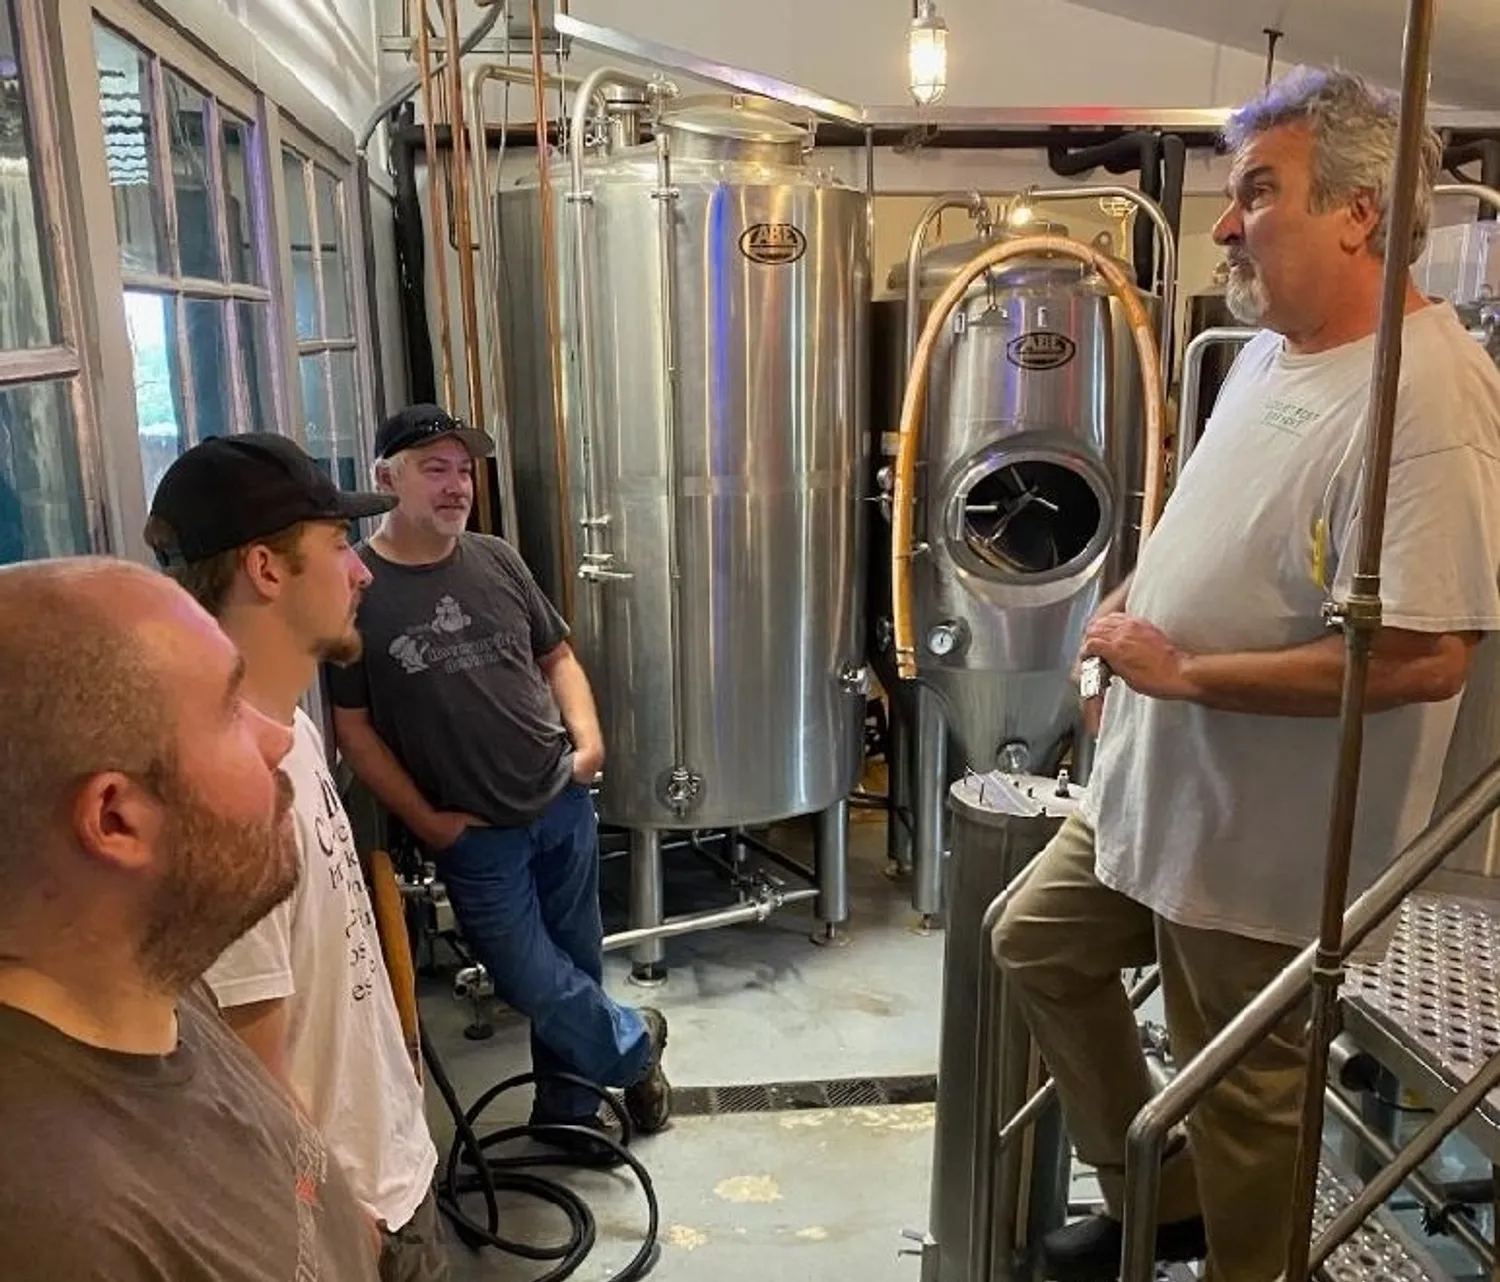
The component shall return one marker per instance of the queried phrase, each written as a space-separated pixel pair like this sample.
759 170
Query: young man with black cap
260 536
472 720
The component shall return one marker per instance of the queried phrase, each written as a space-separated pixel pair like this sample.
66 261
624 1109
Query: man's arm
378 769
1301 681
575 700
262 1027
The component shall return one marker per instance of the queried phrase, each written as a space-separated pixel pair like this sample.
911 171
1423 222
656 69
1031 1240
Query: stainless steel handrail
1148 1133
1192 387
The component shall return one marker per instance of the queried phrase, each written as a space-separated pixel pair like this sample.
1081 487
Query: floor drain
783 1097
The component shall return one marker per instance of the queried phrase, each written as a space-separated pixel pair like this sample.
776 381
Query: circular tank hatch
1030 517
1025 517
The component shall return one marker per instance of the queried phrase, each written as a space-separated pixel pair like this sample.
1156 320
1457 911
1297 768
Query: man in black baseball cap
423 424
256 531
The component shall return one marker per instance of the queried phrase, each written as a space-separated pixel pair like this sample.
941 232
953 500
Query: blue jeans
527 901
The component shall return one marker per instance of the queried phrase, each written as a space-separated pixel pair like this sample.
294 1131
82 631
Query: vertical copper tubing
554 344
436 204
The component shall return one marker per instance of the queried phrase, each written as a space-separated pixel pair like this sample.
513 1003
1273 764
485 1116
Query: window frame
212 50
42 75
315 155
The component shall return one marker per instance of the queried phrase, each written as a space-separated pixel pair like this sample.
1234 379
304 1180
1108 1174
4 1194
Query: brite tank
769 289
1029 492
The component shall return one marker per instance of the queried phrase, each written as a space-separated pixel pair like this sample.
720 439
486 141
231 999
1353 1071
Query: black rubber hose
468 1170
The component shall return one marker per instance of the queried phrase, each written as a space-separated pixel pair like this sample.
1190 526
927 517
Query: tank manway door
1030 517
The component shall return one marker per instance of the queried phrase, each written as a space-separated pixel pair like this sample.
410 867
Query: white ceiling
1362 35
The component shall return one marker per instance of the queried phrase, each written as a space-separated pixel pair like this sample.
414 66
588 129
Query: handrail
1487 195
1148 1133
984 1213
1192 387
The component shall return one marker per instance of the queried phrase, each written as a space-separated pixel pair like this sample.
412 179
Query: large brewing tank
718 531
1030 487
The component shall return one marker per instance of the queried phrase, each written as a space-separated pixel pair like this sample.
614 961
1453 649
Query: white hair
387 468
1354 130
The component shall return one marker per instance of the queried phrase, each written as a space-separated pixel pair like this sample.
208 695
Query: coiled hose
469 1170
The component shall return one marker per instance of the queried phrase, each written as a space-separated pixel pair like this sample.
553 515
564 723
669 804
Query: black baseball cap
423 424
231 490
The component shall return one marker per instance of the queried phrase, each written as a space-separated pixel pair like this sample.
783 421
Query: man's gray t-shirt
451 679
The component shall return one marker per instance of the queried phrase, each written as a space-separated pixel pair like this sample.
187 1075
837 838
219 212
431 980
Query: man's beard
342 651
222 877
1244 294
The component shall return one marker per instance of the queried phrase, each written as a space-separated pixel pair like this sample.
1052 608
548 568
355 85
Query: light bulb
927 55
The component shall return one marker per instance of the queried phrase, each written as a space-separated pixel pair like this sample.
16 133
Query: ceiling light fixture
927 54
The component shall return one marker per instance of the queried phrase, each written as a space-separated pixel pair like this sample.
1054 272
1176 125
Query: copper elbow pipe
909 437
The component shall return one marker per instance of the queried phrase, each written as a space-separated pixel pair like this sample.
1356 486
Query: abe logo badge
1040 349
775 244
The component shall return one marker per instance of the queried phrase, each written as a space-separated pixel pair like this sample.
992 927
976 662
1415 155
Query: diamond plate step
1379 1251
1430 1009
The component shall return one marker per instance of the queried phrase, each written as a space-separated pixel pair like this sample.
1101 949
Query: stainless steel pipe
1192 387
1148 1133
831 857
647 893
758 910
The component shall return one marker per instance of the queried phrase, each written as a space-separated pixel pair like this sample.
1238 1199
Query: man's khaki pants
1063 942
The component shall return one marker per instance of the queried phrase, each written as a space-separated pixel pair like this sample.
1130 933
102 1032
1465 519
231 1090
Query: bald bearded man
146 828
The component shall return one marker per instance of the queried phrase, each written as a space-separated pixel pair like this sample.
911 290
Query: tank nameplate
773 244
1040 349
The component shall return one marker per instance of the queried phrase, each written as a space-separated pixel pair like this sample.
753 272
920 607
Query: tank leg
898 792
931 785
831 844
647 959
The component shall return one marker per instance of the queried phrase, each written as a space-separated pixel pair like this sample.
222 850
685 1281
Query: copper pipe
903 499
436 203
463 231
489 260
1360 618
554 337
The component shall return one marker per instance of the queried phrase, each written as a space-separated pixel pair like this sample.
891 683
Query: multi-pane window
44 503
197 304
327 354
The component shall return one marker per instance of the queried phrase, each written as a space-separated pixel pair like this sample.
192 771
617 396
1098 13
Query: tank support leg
931 786
898 790
647 959
831 847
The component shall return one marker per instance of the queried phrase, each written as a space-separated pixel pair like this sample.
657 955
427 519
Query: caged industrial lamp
927 53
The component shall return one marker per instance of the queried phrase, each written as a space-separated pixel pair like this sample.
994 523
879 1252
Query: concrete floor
809 1194
815 1193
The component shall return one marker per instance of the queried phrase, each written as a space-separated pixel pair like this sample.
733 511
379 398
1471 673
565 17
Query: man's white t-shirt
320 951
1219 820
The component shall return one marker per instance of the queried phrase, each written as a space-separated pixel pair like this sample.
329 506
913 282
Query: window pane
197 225
346 417
28 315
213 393
42 510
255 352
319 431
130 140
331 237
162 416
299 234
235 143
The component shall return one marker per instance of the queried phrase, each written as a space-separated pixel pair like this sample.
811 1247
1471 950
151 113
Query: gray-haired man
1201 844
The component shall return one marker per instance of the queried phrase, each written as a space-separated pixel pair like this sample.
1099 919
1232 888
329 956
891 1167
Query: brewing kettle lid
1001 794
741 117
943 262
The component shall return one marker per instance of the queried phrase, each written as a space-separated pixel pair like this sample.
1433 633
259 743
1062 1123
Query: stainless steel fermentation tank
714 298
1030 508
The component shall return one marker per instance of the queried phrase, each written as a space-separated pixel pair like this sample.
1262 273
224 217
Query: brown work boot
649 1101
